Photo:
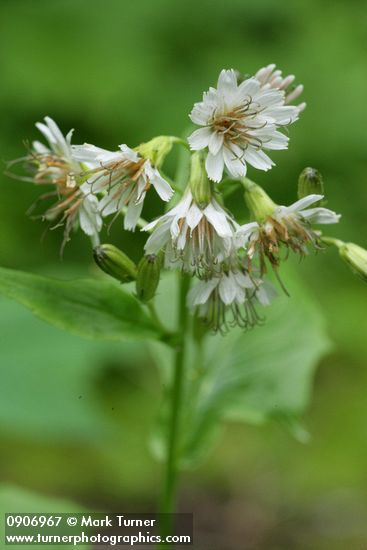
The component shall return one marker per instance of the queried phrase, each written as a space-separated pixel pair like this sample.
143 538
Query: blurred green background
74 416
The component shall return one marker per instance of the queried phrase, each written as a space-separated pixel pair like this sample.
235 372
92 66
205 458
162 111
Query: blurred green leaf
16 500
94 309
253 376
48 380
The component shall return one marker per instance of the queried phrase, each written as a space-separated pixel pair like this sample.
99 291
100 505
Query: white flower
195 238
271 77
77 208
125 177
231 291
287 225
238 122
55 162
56 165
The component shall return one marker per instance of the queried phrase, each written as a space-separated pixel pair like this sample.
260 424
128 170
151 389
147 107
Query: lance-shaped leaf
95 309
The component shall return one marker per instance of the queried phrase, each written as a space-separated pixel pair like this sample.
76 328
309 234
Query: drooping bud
149 270
258 201
310 182
157 149
115 263
200 186
356 258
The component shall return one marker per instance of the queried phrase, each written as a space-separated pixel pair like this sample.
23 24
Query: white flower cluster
239 121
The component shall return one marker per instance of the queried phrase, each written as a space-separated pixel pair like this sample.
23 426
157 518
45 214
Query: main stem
171 470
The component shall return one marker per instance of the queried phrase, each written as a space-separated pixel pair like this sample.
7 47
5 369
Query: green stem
155 317
330 241
176 393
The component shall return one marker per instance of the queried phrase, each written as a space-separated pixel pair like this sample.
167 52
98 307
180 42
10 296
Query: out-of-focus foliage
13 499
124 72
239 378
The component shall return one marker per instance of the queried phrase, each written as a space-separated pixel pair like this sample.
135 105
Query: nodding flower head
194 238
125 177
76 208
54 164
229 298
290 226
239 122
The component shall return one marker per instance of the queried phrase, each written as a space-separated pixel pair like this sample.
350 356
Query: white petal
132 215
277 141
40 148
55 130
214 165
162 186
200 293
305 202
227 289
109 204
128 153
47 133
200 138
282 115
227 82
158 238
320 215
193 216
258 159
87 152
271 98
215 142
235 162
248 89
89 217
244 233
266 293
218 220
202 113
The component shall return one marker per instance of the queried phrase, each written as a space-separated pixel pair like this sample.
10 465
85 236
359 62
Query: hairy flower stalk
238 122
277 226
124 177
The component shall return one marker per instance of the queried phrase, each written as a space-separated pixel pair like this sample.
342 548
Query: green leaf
256 376
16 500
95 309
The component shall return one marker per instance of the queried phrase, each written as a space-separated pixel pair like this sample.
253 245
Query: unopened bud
149 270
115 263
258 201
310 183
356 258
200 186
156 149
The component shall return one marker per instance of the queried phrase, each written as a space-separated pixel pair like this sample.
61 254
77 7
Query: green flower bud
157 149
115 263
356 258
149 270
200 186
258 201
310 183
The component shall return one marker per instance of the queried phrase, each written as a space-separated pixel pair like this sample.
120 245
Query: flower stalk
168 505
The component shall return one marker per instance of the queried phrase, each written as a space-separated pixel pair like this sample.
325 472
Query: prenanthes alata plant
225 262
